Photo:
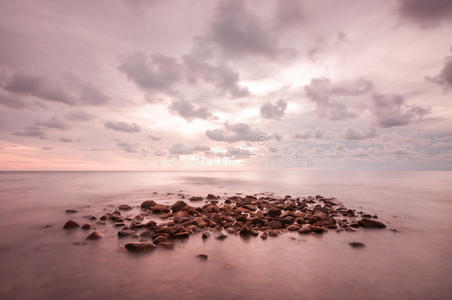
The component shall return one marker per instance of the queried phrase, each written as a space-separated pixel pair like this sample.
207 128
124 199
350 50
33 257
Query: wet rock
179 205
166 245
140 247
318 229
272 233
95 235
71 225
202 256
205 235
159 208
148 204
250 207
221 236
230 230
159 239
371 223
264 236
211 197
124 207
275 224
86 226
274 212
125 233
246 230
196 198
182 235
71 211
293 227
305 229
357 245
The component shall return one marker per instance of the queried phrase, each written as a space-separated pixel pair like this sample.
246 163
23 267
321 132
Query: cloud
155 73
359 133
238 153
154 138
232 133
129 148
68 90
47 148
65 140
273 110
303 135
289 13
16 102
390 111
188 111
32 131
79 116
53 122
221 76
426 13
122 126
181 149
323 93
239 33
444 78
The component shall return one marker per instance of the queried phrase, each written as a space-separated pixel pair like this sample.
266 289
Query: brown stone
371 223
70 225
124 207
148 204
140 247
94 236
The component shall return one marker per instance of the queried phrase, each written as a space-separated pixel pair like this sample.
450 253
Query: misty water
46 262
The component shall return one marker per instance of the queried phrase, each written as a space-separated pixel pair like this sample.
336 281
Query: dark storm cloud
157 73
323 93
67 90
129 148
273 110
426 12
32 131
188 111
390 111
359 133
16 102
239 33
122 126
232 133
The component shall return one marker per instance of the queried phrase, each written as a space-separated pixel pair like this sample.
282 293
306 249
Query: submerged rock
71 225
371 223
140 247
70 211
147 204
202 256
196 198
205 235
166 245
86 226
357 245
95 235
221 236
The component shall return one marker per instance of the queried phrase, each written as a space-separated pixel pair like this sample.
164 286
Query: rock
70 225
182 235
272 233
159 208
148 204
357 245
230 230
124 207
250 207
246 230
125 233
196 198
275 224
371 223
211 197
205 235
221 236
293 227
71 211
86 226
305 229
318 229
202 256
140 247
159 239
94 236
274 212
179 205
166 245
264 236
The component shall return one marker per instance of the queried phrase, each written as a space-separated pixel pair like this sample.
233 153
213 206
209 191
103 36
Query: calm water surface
43 263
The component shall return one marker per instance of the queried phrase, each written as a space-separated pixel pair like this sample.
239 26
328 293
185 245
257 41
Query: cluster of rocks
264 216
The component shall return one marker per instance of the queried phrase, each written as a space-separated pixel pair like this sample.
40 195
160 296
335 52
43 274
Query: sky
236 84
